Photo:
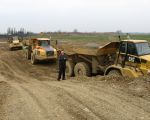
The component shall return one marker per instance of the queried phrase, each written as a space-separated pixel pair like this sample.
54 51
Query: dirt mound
139 87
136 86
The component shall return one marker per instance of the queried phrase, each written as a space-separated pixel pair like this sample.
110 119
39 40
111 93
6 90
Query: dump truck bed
91 50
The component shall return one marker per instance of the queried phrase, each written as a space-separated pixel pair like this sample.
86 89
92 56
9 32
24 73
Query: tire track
36 112
117 106
5 93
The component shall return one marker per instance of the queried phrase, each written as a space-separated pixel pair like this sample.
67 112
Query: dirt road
29 92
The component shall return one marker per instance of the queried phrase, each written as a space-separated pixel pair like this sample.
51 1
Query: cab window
143 48
132 49
44 43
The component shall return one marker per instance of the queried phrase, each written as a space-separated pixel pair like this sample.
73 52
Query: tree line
15 32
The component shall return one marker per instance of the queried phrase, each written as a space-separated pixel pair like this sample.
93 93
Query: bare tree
75 30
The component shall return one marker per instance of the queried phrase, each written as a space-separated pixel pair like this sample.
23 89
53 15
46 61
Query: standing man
62 65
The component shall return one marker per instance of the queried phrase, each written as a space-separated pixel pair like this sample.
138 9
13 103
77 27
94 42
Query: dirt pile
139 87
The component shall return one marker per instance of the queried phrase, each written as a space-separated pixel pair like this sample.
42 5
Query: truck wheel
114 73
82 69
33 59
28 55
70 68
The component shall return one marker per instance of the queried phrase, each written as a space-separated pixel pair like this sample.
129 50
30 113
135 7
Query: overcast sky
83 15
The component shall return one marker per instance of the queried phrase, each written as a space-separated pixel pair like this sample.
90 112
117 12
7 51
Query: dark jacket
62 61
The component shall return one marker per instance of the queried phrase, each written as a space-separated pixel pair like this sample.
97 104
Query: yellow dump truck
39 49
126 58
14 43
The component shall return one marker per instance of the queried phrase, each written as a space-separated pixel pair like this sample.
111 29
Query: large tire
82 69
70 68
33 59
115 73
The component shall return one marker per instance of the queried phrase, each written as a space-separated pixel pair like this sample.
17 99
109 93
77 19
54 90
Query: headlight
55 52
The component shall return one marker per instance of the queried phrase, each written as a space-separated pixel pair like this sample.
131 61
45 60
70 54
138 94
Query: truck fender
129 72
124 71
112 67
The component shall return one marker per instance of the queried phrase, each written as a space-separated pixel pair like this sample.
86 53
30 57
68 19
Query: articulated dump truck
39 49
14 43
127 58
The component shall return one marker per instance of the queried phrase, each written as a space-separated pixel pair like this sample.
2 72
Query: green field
97 37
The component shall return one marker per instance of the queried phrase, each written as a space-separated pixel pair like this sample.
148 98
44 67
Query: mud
31 92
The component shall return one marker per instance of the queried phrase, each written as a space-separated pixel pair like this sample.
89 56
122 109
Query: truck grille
50 53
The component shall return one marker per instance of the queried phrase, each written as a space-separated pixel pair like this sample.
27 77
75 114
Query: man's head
62 52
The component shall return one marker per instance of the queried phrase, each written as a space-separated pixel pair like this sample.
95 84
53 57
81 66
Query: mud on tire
70 68
33 59
82 69
114 73
28 55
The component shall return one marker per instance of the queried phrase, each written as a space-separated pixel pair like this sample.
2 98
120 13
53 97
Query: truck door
132 58
127 55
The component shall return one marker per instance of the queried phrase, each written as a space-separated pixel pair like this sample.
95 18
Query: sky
83 15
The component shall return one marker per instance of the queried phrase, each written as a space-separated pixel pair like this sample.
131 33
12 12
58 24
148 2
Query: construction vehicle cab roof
134 41
41 39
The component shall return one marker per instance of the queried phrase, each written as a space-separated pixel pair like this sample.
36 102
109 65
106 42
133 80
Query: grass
141 37
92 37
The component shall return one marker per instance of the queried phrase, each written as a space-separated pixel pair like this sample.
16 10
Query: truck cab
132 59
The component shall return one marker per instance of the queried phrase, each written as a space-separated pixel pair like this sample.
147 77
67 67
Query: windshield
15 41
44 43
143 48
